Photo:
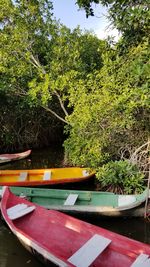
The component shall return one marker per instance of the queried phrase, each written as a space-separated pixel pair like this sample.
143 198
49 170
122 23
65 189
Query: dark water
12 254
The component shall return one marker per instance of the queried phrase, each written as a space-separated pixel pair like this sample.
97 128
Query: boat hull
5 158
44 177
57 237
38 253
87 202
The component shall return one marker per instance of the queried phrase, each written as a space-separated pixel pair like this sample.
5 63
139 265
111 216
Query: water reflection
12 252
39 159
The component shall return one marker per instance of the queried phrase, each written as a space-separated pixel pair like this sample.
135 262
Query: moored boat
60 239
89 202
4 158
41 177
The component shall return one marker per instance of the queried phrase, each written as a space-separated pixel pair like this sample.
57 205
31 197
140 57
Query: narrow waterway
12 254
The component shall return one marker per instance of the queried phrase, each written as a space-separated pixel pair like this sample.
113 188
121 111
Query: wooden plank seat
89 251
71 199
47 175
19 210
23 176
16 208
85 172
142 260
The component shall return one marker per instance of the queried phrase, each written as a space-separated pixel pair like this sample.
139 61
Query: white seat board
23 176
22 195
71 199
142 260
16 208
85 173
1 192
89 251
21 213
47 175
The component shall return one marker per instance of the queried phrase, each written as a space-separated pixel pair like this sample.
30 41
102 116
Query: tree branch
55 114
37 63
132 158
61 103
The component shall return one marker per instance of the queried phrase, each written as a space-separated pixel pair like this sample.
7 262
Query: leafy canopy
130 17
43 60
115 108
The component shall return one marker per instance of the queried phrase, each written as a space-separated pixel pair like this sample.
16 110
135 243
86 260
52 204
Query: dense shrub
120 177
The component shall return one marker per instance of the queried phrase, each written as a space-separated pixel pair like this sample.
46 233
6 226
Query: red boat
60 239
11 157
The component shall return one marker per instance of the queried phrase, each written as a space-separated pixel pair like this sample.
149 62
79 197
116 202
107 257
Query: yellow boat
39 177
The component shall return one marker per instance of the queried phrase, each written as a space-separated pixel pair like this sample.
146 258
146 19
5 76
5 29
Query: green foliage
131 18
111 109
86 4
29 25
120 176
43 59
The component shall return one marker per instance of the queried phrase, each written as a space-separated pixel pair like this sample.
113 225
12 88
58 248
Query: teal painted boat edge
54 197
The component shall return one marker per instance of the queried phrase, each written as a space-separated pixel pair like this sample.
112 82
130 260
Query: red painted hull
12 157
54 236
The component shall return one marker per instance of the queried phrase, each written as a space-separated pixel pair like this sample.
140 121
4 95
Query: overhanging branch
55 114
61 103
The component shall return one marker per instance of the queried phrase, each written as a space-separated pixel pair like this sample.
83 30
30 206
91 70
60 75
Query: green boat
76 201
